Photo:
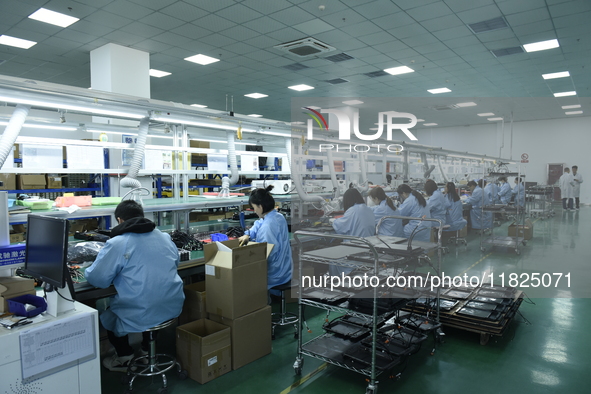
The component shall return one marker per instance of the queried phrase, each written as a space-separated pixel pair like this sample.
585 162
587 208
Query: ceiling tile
108 19
463 5
408 31
377 38
162 21
313 27
409 4
454 32
292 16
479 14
152 46
211 6
191 31
394 21
240 33
377 9
184 11
419 40
153 4
96 29
76 36
123 38
343 18
524 18
239 13
264 25
127 9
509 7
429 11
214 23
267 7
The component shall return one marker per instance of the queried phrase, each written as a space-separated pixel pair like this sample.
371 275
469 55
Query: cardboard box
198 158
205 216
17 237
9 181
14 286
54 181
527 231
26 182
251 335
204 349
236 280
194 306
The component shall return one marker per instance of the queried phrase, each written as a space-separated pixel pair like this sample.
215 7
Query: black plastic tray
360 357
390 347
346 329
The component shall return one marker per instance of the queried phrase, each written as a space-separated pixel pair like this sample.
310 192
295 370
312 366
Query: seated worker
519 193
504 195
384 206
141 262
414 205
479 220
271 228
454 216
358 221
436 202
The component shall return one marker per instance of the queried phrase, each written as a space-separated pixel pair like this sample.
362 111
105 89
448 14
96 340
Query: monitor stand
62 302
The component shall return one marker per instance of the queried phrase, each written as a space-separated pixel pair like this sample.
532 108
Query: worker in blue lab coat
141 262
384 206
436 202
454 215
519 193
414 205
357 221
491 190
478 198
505 191
271 228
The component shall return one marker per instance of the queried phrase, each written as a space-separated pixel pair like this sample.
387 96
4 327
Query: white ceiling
430 36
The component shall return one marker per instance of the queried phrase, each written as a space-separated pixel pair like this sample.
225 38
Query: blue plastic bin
16 305
218 237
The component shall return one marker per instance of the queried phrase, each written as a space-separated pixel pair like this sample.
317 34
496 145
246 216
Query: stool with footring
153 364
283 318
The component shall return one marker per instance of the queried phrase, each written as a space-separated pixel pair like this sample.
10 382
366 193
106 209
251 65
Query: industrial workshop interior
295 196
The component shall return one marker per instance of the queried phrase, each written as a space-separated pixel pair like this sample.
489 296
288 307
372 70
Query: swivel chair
283 318
153 364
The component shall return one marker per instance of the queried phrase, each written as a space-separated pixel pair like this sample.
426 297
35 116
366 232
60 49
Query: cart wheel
298 365
525 242
296 336
484 338
125 379
162 390
517 252
371 389
272 337
183 375
483 250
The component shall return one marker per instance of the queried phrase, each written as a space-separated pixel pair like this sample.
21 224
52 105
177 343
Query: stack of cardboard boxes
14 286
236 300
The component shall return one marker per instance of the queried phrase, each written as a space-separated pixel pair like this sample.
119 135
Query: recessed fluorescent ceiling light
256 95
16 42
198 105
467 104
564 94
352 102
300 88
256 115
429 124
494 119
52 17
439 90
571 106
158 73
420 120
541 46
399 70
486 114
573 112
202 59
561 74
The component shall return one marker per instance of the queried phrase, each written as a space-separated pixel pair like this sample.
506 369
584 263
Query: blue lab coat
454 216
411 207
437 207
491 190
392 227
479 219
505 193
273 229
519 193
143 268
358 221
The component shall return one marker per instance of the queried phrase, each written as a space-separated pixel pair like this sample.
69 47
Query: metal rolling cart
331 348
513 210
539 200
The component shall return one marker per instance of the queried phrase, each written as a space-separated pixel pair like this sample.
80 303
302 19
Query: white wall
549 141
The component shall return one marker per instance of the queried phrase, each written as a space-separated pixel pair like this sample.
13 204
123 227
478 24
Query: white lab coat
566 184
577 185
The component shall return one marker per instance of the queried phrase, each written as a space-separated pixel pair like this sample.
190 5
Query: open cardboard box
236 277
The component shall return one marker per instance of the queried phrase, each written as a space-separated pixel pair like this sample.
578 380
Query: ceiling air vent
336 81
295 66
488 25
506 51
305 47
376 74
339 57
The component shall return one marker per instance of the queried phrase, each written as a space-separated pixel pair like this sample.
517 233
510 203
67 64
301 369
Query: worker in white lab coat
566 184
479 220
578 179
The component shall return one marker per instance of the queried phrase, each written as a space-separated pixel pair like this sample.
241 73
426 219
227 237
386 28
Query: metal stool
157 364
457 239
283 318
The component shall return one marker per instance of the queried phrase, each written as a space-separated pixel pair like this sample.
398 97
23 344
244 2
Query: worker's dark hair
472 183
388 179
263 198
503 178
566 169
129 209
380 194
577 167
451 191
481 183
404 188
518 179
430 187
352 197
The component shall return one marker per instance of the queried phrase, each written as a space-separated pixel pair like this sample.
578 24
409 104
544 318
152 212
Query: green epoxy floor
547 353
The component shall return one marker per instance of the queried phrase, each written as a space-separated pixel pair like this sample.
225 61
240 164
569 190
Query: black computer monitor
47 249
